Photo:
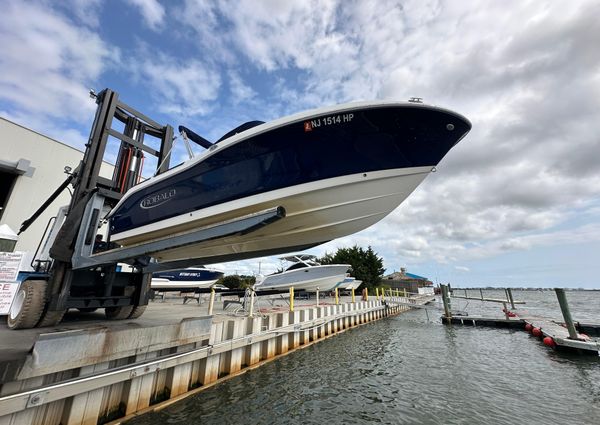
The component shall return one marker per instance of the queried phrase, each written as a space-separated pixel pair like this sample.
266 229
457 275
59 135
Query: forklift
73 268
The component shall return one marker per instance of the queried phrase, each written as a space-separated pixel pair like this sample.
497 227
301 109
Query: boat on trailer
185 280
305 274
332 172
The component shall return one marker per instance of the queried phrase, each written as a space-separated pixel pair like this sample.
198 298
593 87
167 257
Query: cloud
152 11
184 87
462 268
48 63
240 91
86 11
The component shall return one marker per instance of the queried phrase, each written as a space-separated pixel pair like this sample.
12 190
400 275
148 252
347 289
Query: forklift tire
51 318
118 313
138 310
28 305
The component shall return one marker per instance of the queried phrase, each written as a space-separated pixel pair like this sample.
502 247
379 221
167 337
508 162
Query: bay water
412 369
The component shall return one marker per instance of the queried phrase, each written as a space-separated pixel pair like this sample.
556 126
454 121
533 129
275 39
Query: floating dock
92 372
570 335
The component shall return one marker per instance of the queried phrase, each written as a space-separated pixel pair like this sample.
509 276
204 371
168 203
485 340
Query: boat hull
322 213
308 279
168 285
185 280
335 172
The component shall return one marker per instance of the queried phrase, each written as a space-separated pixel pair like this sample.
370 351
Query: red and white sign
8 290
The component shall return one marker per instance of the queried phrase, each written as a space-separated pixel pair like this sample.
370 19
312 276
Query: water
408 370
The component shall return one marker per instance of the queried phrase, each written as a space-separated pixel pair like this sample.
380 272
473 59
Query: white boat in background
305 274
348 284
185 280
353 285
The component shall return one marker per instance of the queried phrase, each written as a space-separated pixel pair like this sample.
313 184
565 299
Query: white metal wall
47 158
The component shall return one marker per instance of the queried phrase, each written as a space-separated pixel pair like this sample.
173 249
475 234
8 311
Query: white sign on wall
10 263
8 290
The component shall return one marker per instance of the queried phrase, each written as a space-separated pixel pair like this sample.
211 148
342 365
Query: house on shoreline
413 283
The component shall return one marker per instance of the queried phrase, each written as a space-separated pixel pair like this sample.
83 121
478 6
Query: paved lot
16 344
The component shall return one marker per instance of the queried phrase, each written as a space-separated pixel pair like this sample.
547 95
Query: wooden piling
510 298
564 308
446 301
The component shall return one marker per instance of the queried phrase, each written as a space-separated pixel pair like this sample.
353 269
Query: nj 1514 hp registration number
325 121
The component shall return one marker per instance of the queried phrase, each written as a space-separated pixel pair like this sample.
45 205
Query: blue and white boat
335 171
185 280
304 274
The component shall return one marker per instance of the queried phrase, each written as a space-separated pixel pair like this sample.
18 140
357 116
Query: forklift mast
88 182
79 272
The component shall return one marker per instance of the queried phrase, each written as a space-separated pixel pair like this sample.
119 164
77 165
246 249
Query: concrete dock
89 371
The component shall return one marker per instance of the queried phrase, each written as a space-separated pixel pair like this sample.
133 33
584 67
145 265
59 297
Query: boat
334 171
185 280
304 274
348 284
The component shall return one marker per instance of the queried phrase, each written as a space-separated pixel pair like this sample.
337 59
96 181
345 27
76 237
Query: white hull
353 285
316 212
166 284
323 278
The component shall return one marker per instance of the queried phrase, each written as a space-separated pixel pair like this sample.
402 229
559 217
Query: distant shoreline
492 288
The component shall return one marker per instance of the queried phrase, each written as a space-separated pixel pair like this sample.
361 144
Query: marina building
410 282
32 167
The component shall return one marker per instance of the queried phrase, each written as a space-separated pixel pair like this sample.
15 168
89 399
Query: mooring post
505 310
337 297
446 301
353 299
211 302
510 297
317 297
404 289
377 293
366 294
465 292
291 298
251 303
481 293
564 308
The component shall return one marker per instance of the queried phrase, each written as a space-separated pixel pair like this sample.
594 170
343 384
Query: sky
515 203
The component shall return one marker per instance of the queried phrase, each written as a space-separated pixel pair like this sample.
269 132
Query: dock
568 335
88 371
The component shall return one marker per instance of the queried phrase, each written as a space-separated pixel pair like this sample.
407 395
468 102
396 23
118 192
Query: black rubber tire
87 309
33 293
118 313
138 310
51 318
